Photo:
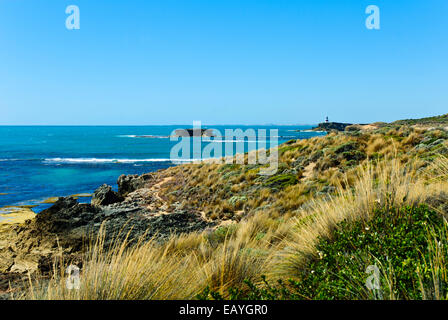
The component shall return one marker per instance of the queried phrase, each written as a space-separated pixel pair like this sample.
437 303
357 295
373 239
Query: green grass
443 119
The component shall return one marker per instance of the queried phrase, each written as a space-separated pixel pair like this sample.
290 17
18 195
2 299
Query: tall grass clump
123 272
378 185
178 268
399 253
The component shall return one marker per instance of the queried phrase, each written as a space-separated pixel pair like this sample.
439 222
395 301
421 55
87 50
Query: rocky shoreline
64 229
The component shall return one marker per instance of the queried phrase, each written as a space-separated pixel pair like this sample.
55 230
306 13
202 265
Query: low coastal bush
281 181
408 247
397 241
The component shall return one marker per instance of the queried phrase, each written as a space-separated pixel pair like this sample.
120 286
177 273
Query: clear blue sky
221 62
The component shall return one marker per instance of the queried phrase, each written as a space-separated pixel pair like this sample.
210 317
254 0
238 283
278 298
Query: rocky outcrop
73 222
104 196
329 126
65 215
55 231
65 228
130 183
194 133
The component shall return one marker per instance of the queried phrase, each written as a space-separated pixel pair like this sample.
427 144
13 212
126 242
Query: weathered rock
65 228
195 132
104 196
130 183
66 214
67 225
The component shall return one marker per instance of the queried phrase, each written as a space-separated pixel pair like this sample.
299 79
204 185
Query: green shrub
286 148
355 155
394 240
399 242
221 233
237 201
346 147
229 167
281 181
252 292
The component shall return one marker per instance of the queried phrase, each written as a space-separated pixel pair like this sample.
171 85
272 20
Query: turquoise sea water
38 162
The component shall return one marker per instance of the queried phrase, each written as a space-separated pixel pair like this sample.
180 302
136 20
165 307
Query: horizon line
147 125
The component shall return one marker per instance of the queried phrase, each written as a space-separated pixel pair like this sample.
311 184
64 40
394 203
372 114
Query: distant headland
343 126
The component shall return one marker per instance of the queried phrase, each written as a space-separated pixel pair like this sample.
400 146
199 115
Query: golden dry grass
386 184
177 269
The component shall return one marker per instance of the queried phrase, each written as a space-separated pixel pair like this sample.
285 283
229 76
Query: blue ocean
39 162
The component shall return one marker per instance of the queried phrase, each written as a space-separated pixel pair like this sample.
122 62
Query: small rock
104 196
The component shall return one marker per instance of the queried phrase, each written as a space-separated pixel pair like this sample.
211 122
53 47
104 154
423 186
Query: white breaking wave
312 131
142 136
127 136
99 160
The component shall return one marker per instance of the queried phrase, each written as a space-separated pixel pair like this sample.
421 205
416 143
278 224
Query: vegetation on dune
307 168
437 120
407 246
395 240
337 204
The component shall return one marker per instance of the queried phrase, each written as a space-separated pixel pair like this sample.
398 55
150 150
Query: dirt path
308 171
